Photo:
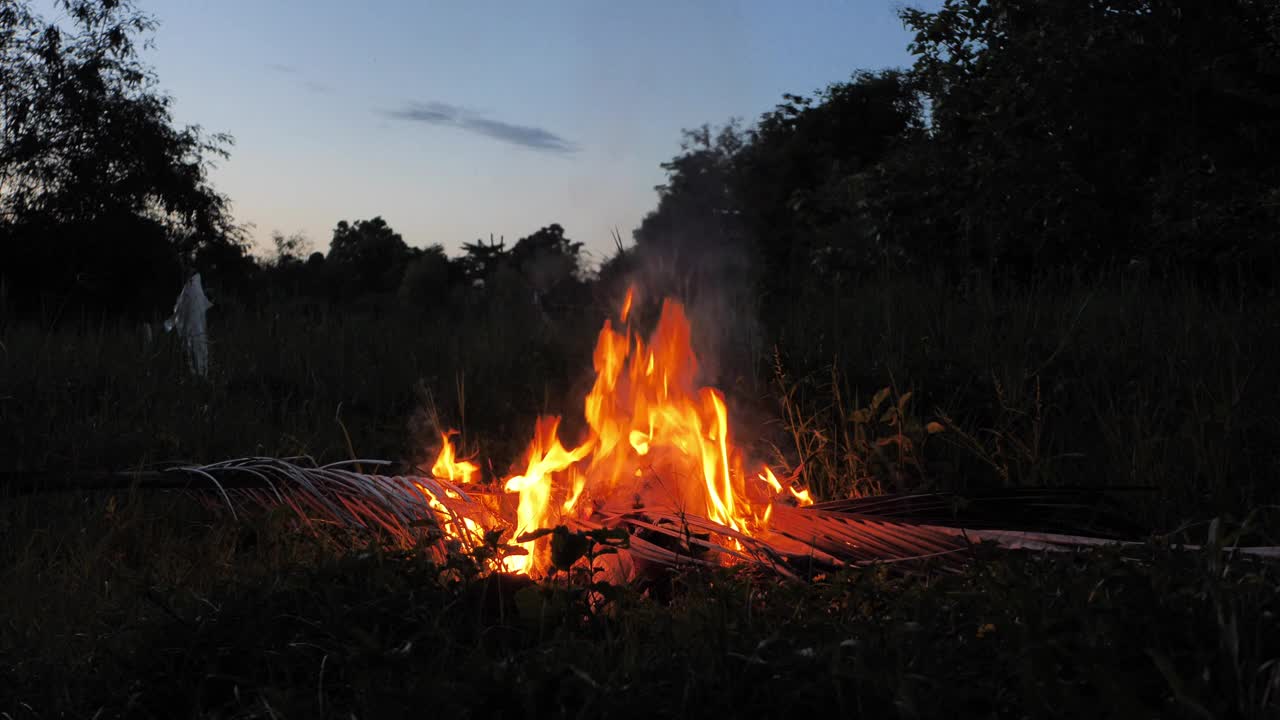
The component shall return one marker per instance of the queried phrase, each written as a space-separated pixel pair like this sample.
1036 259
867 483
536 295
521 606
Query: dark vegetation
1054 238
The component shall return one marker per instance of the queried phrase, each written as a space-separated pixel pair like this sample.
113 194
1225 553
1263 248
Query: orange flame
546 456
626 303
448 467
654 440
460 472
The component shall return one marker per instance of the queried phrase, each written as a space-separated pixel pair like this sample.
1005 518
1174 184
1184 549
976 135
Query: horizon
437 119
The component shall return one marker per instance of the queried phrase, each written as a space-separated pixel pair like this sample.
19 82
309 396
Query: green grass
152 605
147 614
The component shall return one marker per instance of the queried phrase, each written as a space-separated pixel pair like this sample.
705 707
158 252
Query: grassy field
150 605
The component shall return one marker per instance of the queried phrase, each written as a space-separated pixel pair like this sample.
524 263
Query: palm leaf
416 510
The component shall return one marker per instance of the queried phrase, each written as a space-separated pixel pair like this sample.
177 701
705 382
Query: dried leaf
879 398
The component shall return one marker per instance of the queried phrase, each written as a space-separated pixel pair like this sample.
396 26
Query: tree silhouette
369 256
805 178
1085 133
696 206
90 157
428 279
481 261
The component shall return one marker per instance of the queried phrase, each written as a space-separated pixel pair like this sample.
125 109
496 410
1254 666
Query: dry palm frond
884 530
396 505
411 509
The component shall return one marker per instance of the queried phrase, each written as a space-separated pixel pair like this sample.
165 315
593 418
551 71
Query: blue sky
454 120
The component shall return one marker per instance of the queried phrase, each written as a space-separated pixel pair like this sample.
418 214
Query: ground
152 604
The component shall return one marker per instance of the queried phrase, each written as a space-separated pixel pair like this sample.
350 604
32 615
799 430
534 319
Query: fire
448 467
461 472
654 440
546 456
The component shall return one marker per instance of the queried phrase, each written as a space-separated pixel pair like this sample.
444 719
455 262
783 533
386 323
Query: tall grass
131 604
1164 387
1063 384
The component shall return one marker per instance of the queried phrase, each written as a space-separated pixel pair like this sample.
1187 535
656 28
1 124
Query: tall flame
654 440
546 456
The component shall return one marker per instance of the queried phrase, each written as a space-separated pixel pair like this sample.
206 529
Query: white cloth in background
188 320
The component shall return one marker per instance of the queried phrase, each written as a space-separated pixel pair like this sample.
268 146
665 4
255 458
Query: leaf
567 547
1170 673
879 398
534 535
934 427
607 590
611 537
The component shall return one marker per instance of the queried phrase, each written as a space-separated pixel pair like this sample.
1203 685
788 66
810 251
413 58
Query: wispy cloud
438 113
292 70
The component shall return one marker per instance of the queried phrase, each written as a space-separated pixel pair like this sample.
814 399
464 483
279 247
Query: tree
288 250
696 207
95 180
695 239
481 261
806 180
547 258
369 256
427 280
1080 134
776 206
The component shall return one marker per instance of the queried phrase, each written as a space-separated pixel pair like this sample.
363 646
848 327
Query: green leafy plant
852 449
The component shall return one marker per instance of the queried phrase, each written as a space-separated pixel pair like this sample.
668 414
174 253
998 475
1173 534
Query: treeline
369 263
1030 138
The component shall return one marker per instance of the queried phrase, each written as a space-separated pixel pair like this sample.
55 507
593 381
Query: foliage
547 258
149 606
428 278
480 260
151 611
851 449
1030 138
91 165
805 180
369 256
695 207
289 250
1086 134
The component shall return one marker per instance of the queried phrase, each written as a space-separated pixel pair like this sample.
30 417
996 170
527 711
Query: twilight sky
454 120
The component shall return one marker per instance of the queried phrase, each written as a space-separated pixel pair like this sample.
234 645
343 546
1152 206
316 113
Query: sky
454 120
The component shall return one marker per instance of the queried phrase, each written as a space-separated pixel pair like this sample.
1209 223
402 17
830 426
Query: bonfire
657 480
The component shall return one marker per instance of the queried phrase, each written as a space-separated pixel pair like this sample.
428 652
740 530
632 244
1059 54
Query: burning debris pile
657 478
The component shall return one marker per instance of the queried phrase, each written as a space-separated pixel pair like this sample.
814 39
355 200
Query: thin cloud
314 86
438 113
317 87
